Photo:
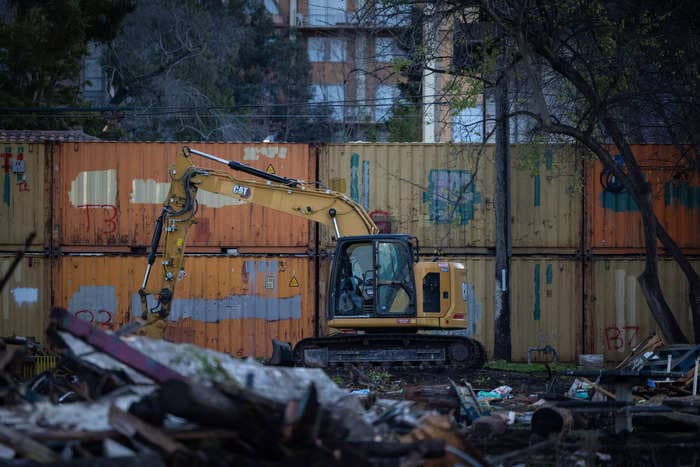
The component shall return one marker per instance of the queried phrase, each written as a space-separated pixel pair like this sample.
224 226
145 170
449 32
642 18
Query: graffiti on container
95 304
683 194
451 196
675 193
383 221
544 338
617 337
101 318
16 167
110 221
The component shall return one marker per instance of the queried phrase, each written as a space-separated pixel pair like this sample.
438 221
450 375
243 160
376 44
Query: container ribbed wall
108 195
231 304
614 225
617 315
25 188
26 299
444 195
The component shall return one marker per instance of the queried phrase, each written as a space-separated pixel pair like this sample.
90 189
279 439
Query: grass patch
502 365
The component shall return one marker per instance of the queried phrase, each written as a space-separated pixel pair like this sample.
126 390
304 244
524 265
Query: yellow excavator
382 300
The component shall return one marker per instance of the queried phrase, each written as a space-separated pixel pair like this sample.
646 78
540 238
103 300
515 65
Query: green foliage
502 365
44 44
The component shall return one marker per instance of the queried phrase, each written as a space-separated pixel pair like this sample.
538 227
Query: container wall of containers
235 305
26 195
108 196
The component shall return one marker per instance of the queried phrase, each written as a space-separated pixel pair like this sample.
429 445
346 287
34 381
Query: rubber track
382 341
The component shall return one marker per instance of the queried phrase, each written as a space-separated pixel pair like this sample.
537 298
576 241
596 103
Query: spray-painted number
111 221
102 318
617 337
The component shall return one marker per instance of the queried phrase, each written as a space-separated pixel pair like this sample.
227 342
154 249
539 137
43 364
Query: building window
326 49
333 95
385 95
471 126
386 50
272 7
327 12
388 13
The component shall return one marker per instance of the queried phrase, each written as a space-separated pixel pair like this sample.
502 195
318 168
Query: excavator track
390 349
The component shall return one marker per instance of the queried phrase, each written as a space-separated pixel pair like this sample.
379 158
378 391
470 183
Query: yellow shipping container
25 205
444 194
25 300
235 305
617 315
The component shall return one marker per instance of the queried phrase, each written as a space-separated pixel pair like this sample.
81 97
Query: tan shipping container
25 204
617 315
26 299
235 305
546 306
614 225
108 195
444 194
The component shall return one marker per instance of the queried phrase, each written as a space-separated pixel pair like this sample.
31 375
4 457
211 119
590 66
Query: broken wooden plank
112 346
129 426
26 446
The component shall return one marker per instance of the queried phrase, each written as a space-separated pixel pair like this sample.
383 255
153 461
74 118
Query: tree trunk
690 274
649 279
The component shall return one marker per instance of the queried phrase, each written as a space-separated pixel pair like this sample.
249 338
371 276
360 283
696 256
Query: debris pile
136 401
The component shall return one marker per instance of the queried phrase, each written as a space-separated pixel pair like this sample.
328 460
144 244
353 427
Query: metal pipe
247 169
695 378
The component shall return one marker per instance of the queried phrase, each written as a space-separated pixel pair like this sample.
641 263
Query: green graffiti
536 311
682 194
451 196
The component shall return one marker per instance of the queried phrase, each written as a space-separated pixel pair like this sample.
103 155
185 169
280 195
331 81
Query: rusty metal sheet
617 315
443 194
26 299
231 304
25 203
108 195
614 225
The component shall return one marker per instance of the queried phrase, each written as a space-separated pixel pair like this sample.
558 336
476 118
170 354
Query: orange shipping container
614 224
235 305
24 207
110 194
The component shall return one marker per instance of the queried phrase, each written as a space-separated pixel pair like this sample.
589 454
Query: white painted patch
148 191
253 153
152 192
25 295
94 187
217 201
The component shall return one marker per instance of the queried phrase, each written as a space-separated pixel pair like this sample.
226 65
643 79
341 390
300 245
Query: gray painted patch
231 307
93 298
473 308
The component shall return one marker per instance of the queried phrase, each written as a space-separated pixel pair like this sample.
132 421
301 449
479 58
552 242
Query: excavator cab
373 277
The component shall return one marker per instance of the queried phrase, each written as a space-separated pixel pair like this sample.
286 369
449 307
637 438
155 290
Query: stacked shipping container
443 194
93 206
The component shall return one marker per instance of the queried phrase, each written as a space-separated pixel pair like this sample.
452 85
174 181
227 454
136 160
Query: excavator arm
295 197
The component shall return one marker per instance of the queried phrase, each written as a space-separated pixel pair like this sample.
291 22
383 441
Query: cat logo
242 191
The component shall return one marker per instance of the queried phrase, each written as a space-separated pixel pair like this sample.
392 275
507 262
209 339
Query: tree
43 45
209 70
603 73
